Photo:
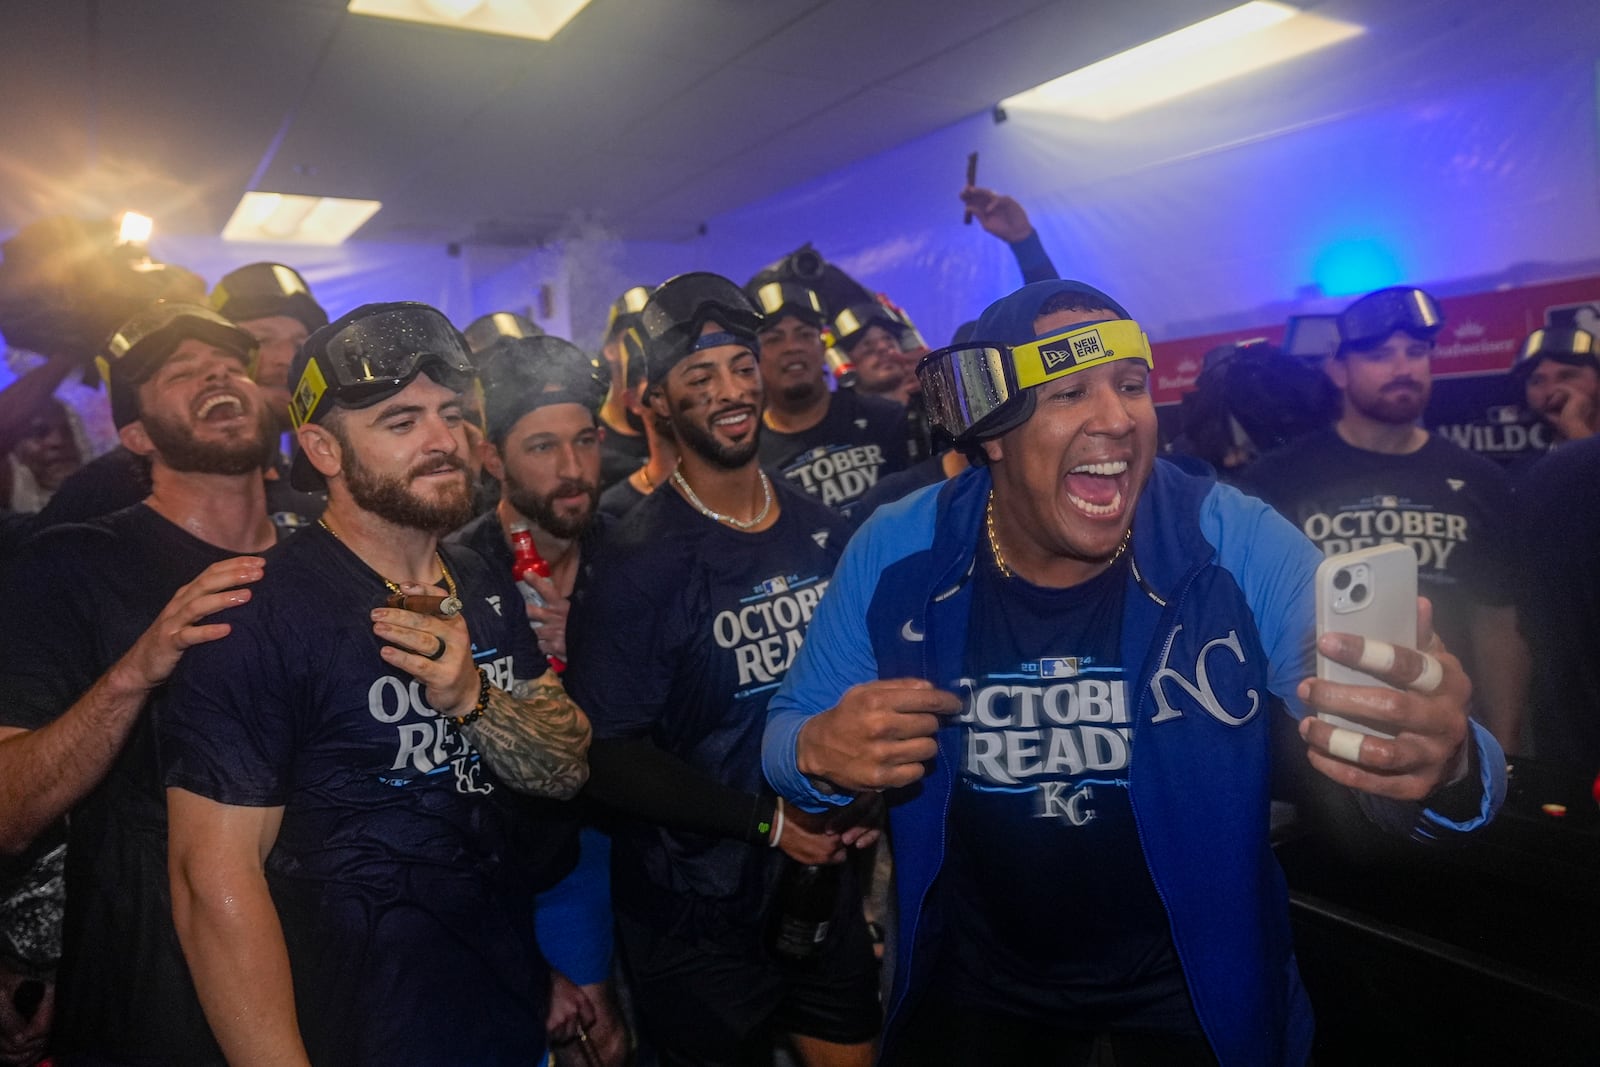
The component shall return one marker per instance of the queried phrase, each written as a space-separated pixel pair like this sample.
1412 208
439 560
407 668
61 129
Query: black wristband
765 811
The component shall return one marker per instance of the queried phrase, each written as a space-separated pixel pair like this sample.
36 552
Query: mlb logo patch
1059 667
775 585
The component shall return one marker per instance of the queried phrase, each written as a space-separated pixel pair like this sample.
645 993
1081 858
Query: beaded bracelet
477 709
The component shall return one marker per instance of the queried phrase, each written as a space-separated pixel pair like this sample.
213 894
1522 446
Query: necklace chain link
1000 559
449 582
742 524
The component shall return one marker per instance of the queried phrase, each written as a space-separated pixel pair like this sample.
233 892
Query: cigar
441 606
972 179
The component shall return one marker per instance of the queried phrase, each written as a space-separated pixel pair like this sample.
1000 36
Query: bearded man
1376 476
349 871
105 611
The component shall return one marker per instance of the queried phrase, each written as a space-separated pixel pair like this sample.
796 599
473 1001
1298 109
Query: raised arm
229 928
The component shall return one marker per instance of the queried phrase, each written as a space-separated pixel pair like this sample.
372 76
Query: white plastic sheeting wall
1195 233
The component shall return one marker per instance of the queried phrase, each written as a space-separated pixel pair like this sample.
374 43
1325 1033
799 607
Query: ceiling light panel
1237 42
537 20
284 218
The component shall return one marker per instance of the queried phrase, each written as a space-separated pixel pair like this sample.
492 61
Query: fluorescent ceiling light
284 218
537 20
135 229
1241 41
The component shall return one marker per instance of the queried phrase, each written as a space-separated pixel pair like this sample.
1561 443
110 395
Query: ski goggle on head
373 353
778 299
624 311
851 325
979 389
672 324
1563 344
1369 321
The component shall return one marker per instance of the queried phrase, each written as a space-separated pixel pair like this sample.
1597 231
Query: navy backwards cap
262 290
1009 321
519 375
139 347
673 320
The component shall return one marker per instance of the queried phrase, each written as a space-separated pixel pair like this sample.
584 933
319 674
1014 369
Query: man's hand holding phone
1422 703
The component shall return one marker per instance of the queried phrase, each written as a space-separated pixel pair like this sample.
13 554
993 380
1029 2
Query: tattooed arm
535 738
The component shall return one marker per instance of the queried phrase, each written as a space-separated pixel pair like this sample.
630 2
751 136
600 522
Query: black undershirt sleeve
634 776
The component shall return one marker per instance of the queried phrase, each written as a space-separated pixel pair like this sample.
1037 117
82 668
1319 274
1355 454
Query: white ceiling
649 115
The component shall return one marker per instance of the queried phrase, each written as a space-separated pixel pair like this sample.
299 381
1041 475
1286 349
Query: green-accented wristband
766 813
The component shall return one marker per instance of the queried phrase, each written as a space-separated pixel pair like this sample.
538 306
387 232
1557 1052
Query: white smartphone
1371 592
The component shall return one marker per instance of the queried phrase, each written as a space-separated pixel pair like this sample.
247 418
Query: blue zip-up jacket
1218 620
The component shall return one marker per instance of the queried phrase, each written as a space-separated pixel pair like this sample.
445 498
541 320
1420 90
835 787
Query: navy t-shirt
682 636
859 440
1558 602
1451 506
81 595
399 870
1058 919
620 455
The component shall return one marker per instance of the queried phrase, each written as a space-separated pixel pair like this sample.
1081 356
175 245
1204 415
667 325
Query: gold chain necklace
742 524
452 604
1000 559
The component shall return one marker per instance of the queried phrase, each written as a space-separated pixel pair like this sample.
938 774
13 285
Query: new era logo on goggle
1077 350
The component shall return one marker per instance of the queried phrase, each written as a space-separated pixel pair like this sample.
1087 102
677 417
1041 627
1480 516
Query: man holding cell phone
1377 477
1062 666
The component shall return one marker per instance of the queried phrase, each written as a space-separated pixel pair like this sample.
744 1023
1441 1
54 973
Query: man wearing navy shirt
695 607
350 882
1063 664
542 446
105 611
1376 476
833 445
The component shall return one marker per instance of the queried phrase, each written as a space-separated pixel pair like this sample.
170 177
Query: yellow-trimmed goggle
963 385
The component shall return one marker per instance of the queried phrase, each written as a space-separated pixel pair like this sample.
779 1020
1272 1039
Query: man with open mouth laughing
1061 666
103 611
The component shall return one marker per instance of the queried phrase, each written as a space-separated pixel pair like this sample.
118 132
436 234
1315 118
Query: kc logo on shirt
424 742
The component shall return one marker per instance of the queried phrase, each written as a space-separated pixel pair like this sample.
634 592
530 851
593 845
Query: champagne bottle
526 563
803 909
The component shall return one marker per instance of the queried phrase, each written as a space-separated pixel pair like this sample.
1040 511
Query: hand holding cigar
440 606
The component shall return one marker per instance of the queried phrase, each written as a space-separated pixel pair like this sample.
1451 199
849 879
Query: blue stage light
1349 268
